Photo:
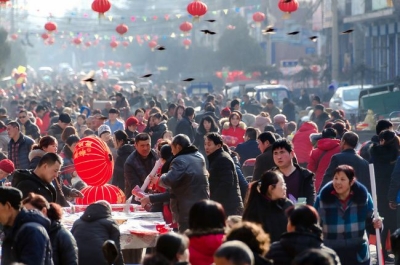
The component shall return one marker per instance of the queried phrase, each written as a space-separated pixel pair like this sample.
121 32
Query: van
275 92
346 98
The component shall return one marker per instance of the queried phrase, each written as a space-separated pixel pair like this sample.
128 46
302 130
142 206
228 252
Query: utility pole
268 36
335 41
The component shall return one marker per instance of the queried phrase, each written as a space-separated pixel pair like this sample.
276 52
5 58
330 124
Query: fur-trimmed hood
360 193
36 153
241 125
214 231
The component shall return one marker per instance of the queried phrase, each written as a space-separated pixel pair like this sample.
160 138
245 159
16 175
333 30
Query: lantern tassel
286 15
196 19
389 3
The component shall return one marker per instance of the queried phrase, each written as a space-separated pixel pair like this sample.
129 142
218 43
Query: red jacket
44 123
233 136
302 143
321 157
203 247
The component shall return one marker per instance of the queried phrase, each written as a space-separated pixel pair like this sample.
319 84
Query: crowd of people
307 200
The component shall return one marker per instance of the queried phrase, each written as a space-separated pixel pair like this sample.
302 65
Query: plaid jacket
346 229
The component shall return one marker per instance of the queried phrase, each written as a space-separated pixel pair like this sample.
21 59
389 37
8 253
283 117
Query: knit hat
280 118
225 112
7 166
64 118
131 121
104 128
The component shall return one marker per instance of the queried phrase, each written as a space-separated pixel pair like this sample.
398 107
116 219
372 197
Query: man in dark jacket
319 116
186 125
39 180
56 129
27 127
381 125
265 161
348 156
248 149
140 163
224 183
186 179
91 231
19 146
299 181
26 239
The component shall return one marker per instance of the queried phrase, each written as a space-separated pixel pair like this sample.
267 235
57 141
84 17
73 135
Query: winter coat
261 122
68 166
346 231
349 157
233 135
27 241
264 162
171 123
187 180
206 113
91 230
199 139
243 184
289 110
271 215
320 120
301 142
394 186
4 140
55 130
30 129
224 183
158 130
185 126
118 175
34 157
202 245
321 157
18 152
63 244
273 111
44 126
247 150
292 244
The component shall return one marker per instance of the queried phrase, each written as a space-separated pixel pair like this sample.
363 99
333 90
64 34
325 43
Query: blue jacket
24 147
27 241
247 150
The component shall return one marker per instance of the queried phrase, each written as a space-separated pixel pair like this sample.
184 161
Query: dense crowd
240 181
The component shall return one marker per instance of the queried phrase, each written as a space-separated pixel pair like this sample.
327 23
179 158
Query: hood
387 153
95 212
20 175
262 121
36 153
308 127
314 137
54 226
296 242
85 108
241 125
126 149
360 193
26 216
56 128
206 244
222 121
327 144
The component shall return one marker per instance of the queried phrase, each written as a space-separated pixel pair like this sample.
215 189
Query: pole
376 214
335 40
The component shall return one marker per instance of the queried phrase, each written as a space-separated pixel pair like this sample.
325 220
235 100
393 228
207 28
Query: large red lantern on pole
101 6
93 161
288 7
258 17
187 43
121 29
107 192
185 27
50 26
152 44
197 9
114 44
101 64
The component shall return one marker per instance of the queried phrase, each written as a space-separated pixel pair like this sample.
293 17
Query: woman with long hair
69 130
139 114
172 122
303 233
207 124
266 204
233 131
124 148
47 144
346 211
63 244
159 126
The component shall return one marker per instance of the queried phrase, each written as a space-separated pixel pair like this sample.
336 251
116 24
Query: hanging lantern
197 9
101 6
258 17
77 41
110 63
186 27
152 44
110 193
118 64
288 7
50 26
14 36
114 44
187 43
88 44
128 66
3 2
125 44
101 64
121 29
50 41
93 161
45 36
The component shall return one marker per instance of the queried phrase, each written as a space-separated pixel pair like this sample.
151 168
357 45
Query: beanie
7 166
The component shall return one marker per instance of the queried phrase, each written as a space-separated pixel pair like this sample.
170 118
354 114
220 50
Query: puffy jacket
301 142
321 157
34 157
185 126
91 230
187 180
24 144
233 135
118 175
27 241
63 244
4 140
202 246
30 129
292 244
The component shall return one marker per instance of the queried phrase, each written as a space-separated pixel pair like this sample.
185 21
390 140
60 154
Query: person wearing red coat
234 130
302 144
321 156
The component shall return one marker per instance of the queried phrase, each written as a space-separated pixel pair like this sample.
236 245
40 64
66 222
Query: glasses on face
22 117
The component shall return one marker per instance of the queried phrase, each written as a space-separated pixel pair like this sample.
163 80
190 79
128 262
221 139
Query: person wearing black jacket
92 229
224 183
27 127
124 149
186 125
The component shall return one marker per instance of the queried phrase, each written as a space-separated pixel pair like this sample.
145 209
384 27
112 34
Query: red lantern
258 17
110 193
110 63
3 2
186 27
288 7
114 44
127 65
197 9
101 6
77 41
118 64
14 36
45 36
121 29
125 44
152 44
187 43
93 161
50 26
88 44
50 41
101 64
